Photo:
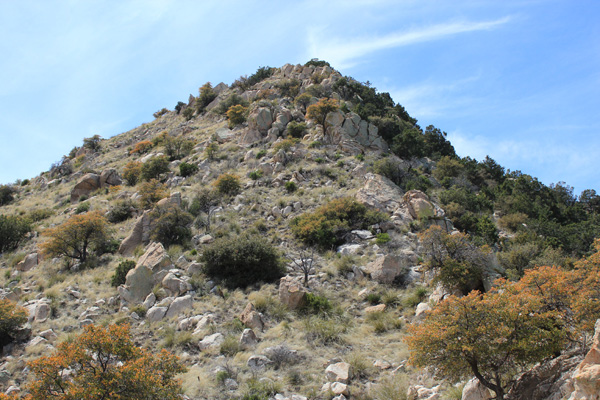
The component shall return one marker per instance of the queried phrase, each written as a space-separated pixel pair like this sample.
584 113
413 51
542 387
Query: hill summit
281 235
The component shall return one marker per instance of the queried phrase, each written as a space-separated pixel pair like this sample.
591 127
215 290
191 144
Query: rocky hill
273 234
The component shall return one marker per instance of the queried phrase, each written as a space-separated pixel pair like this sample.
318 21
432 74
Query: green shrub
154 167
171 226
228 184
317 63
121 211
382 238
6 194
232 100
255 175
242 261
203 201
82 208
327 225
316 304
12 231
206 96
230 346
291 186
296 129
177 147
289 87
390 169
325 330
188 113
261 153
261 74
92 143
40 214
121 271
187 169
373 298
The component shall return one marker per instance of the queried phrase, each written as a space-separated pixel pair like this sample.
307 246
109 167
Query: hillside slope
297 161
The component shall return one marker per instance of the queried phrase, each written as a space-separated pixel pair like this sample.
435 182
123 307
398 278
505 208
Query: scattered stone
338 372
422 308
213 340
388 268
258 362
179 305
248 339
252 318
87 184
28 262
375 309
156 313
474 390
291 292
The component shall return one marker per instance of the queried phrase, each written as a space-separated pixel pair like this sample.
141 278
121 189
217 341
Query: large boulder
291 292
474 390
28 262
252 318
260 120
110 177
586 378
151 269
389 268
419 205
338 372
179 305
138 236
87 184
381 193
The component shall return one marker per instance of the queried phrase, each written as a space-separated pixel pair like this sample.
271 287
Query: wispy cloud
343 52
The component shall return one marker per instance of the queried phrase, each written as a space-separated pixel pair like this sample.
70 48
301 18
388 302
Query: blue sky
516 80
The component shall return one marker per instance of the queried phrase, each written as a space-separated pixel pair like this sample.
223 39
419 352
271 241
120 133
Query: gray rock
248 339
28 262
179 305
213 340
258 362
156 313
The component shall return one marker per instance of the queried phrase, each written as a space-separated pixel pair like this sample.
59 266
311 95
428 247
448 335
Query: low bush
142 147
255 175
121 211
153 168
6 194
121 271
12 317
82 208
228 184
242 261
187 169
132 172
291 186
150 192
316 304
177 147
188 113
327 225
171 226
236 115
12 231
160 113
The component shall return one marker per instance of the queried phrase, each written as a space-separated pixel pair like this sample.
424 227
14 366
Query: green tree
6 194
242 261
171 226
154 167
177 147
12 231
228 184
92 143
207 95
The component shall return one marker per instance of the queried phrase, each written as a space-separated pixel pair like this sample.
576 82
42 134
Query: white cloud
343 52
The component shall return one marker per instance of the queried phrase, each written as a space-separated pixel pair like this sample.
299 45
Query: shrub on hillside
132 172
160 113
6 194
171 225
105 364
318 111
328 224
236 115
121 211
296 129
92 143
187 169
154 167
142 147
242 261
177 147
12 317
206 96
121 271
12 231
232 100
150 192
228 184
77 237
188 113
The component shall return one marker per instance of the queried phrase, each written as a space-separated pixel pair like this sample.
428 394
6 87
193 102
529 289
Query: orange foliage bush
318 111
105 364
142 147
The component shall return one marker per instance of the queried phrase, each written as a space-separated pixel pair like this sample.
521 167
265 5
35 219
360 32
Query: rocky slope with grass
270 233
